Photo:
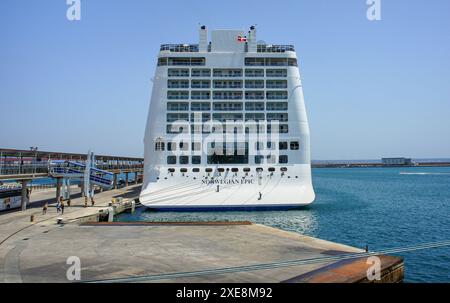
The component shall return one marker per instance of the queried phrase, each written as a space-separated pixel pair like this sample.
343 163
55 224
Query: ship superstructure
227 126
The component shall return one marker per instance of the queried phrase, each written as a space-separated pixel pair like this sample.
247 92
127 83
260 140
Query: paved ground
37 252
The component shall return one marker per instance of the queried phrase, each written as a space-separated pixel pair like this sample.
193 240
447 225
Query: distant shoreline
379 164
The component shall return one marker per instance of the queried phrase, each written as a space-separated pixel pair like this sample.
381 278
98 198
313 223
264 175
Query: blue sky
372 89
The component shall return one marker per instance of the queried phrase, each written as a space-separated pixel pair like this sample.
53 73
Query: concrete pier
37 251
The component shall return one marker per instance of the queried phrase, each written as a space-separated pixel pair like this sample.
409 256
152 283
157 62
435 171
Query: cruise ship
227 127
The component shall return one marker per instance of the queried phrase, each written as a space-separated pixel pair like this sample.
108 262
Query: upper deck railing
193 48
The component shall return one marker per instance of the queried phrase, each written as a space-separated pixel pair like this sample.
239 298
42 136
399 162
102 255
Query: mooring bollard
32 218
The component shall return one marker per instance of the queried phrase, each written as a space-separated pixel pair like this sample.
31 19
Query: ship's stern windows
227 72
227 84
276 95
276 73
200 106
254 95
254 73
178 95
281 117
252 106
177 83
228 106
224 95
178 72
254 83
200 84
200 95
276 84
201 72
177 106
295 145
278 106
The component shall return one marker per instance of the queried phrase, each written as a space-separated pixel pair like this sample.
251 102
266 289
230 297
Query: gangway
71 169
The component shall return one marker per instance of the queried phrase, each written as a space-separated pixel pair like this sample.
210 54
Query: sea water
379 207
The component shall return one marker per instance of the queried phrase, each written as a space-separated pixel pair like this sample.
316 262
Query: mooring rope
246 268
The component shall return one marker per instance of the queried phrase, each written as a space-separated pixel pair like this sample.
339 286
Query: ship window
176 129
220 95
227 72
200 106
196 146
227 84
276 61
177 95
186 61
196 159
284 169
178 83
171 170
258 159
277 106
228 106
162 61
235 170
200 95
274 95
283 145
171 160
183 170
196 170
292 62
283 159
220 170
254 116
254 61
201 73
246 169
177 106
276 73
284 129
183 146
276 84
254 83
200 84
259 169
254 95
172 117
254 106
171 146
172 72
208 170
282 117
184 160
254 72
271 169
295 145
159 145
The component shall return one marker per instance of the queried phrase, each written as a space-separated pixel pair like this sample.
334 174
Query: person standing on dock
92 201
62 207
58 205
85 201
44 209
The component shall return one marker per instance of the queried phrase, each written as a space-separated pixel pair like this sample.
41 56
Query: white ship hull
174 181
